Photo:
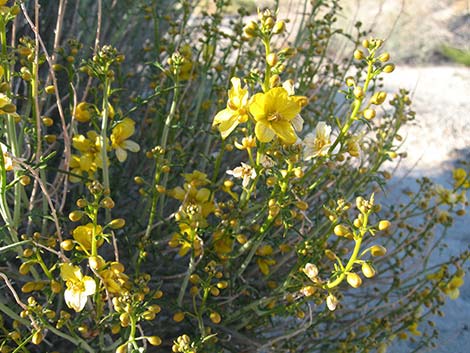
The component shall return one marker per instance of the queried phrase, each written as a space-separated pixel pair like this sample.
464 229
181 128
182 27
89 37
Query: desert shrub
175 178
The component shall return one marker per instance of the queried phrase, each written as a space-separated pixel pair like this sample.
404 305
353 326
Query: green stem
184 285
352 259
104 138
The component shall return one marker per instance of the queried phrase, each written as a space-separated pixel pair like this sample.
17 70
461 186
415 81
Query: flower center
274 117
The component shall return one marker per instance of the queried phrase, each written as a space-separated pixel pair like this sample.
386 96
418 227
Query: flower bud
358 92
367 270
178 317
350 81
369 114
117 223
50 139
388 68
37 337
341 230
384 57
331 302
354 280
75 216
56 287
378 98
50 89
279 27
215 317
67 245
384 224
272 59
358 54
250 29
154 340
378 250
47 121
25 180
96 262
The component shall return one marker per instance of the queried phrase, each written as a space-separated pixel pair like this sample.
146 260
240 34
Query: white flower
266 162
317 143
297 122
244 172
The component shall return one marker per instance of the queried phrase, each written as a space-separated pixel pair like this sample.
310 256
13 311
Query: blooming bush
216 190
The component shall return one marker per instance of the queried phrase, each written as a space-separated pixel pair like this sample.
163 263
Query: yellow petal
222 116
287 108
285 131
226 127
68 272
263 132
258 106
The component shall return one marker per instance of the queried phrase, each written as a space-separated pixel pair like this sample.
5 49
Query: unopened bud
279 27
384 225
358 54
272 59
369 114
367 270
384 57
75 216
358 92
117 223
50 89
154 340
354 280
388 68
378 250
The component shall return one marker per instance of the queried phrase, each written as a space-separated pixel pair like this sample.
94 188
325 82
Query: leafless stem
67 154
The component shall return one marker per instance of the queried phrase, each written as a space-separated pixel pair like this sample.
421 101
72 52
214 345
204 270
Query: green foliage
176 178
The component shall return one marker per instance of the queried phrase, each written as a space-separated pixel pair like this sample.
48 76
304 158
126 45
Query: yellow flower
119 139
186 240
274 113
89 159
83 112
236 111
83 235
79 287
452 288
114 278
196 204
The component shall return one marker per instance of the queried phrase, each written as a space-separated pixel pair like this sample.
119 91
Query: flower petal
258 106
131 146
263 132
121 154
223 115
298 123
90 285
226 127
68 271
285 131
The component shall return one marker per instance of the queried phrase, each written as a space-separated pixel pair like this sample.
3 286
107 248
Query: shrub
216 190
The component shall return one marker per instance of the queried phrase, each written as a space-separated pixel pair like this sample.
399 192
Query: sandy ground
440 136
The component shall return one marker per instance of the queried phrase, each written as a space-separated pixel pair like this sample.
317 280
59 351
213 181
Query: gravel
439 136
